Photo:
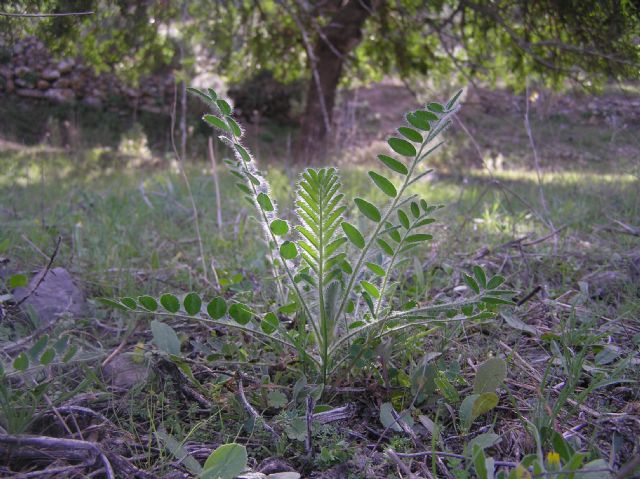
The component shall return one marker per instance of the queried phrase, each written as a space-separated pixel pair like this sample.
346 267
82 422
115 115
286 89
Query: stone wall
28 70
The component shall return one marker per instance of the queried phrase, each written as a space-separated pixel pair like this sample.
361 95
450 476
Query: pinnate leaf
393 164
402 147
367 209
384 184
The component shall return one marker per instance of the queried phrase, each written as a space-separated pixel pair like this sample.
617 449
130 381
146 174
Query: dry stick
308 443
186 180
44 15
214 173
450 454
251 410
314 67
394 457
536 161
58 443
46 270
536 376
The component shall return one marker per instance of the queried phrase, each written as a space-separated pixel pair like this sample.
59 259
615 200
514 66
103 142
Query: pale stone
57 295
60 95
50 74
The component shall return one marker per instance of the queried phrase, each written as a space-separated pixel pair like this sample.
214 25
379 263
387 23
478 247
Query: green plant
336 279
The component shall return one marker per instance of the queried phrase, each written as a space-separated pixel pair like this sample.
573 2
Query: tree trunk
332 45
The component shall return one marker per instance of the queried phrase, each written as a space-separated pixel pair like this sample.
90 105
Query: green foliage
337 276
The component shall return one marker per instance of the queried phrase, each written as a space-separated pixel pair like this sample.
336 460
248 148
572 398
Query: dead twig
44 274
251 410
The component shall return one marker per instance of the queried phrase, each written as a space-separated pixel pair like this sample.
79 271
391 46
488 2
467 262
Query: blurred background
95 120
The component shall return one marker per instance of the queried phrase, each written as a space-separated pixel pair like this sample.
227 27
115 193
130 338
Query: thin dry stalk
186 181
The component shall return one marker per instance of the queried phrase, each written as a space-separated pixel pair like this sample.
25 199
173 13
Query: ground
564 236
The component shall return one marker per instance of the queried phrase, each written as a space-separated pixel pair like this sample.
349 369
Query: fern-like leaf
319 207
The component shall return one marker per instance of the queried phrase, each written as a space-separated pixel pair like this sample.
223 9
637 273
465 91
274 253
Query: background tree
330 43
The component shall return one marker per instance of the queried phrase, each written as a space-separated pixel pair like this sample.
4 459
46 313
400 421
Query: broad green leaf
277 399
490 375
485 440
418 237
446 388
240 313
471 283
216 122
393 164
129 302
265 202
353 234
18 280
387 417
47 357
376 269
279 227
371 289
38 347
179 452
481 277
367 209
517 323
71 352
225 108
192 303
410 134
288 250
170 303
480 462
593 470
384 184
288 308
217 308
21 363
402 147
226 462
485 403
212 93
466 411
148 302
165 338
269 323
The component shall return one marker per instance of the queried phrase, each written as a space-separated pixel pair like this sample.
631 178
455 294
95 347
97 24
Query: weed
339 283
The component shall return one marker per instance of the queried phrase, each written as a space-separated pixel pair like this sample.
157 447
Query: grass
129 231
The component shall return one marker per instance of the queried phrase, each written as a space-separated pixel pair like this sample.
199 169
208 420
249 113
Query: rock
60 95
29 93
65 66
606 284
42 85
57 295
123 372
62 83
92 101
50 74
273 465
